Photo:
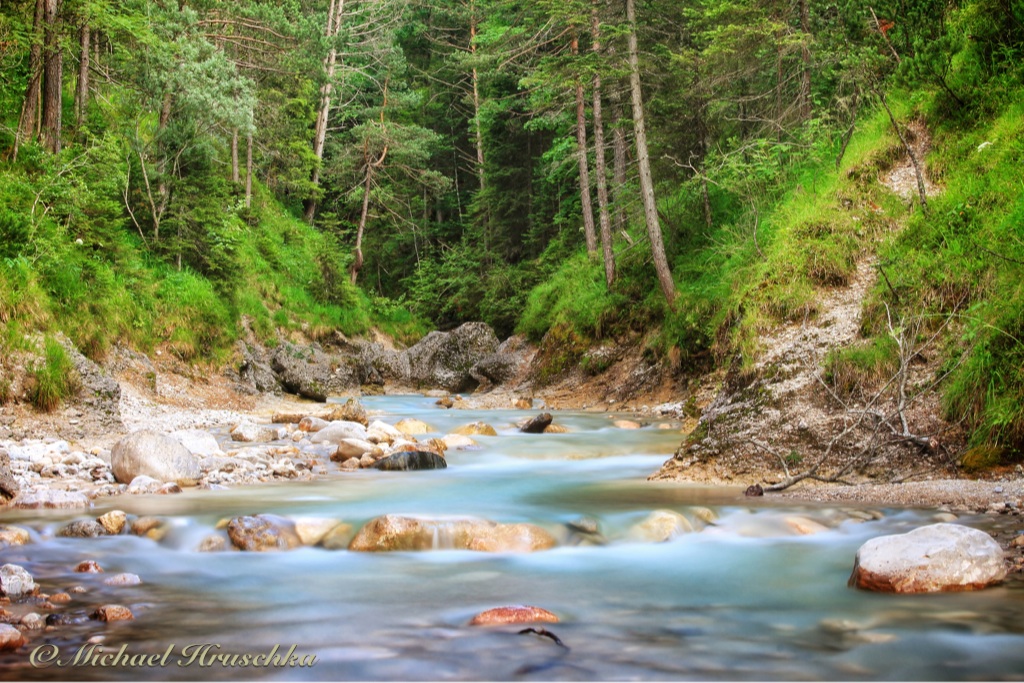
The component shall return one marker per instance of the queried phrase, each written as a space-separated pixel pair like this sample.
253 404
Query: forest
176 173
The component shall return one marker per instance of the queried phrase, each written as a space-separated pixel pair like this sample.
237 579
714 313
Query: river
745 598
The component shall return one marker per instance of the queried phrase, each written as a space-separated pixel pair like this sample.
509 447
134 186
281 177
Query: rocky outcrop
255 371
393 532
154 455
502 366
100 394
934 558
311 372
8 484
444 359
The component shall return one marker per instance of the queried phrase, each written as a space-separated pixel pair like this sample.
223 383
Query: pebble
85 528
33 621
124 579
112 613
16 582
513 614
88 567
113 522
10 638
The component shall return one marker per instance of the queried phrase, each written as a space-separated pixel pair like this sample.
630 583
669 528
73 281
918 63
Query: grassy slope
957 268
92 279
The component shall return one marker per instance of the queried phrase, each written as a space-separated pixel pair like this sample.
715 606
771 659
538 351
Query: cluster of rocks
466 358
27 611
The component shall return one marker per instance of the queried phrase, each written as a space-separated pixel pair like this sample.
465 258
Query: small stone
33 621
65 619
13 535
88 567
143 484
445 402
168 488
337 538
513 614
312 424
412 460
412 427
113 522
367 461
60 598
523 403
457 442
214 543
627 424
248 433
78 590
86 528
144 525
354 448
124 579
660 526
312 530
261 533
10 638
753 491
945 517
556 429
804 526
16 582
51 499
474 429
537 425
112 613
350 465
1018 542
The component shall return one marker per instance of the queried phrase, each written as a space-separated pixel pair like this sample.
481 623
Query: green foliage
862 368
55 380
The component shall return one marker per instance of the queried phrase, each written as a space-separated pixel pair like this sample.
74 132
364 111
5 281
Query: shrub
55 379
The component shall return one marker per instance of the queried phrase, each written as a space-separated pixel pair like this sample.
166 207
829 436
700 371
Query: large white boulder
153 455
938 557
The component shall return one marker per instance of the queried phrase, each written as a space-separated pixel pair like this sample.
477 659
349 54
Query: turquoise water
744 599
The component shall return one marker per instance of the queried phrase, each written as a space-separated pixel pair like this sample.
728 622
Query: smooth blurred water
743 599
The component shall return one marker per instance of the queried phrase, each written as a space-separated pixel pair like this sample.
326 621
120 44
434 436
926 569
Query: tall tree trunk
248 170
589 233
599 164
234 156
30 106
82 91
805 54
357 261
476 100
322 117
618 154
668 287
53 74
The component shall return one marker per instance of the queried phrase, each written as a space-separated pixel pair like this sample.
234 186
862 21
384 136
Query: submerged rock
413 427
457 442
88 567
537 425
312 530
938 557
513 614
112 613
660 526
395 532
155 455
411 460
16 582
123 579
261 533
475 429
13 535
85 528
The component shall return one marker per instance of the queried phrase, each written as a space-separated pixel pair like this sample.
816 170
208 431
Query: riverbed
745 596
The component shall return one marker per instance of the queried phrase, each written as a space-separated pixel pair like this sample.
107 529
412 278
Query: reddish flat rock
513 614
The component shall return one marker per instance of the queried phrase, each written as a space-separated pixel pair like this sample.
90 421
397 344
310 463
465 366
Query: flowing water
744 598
